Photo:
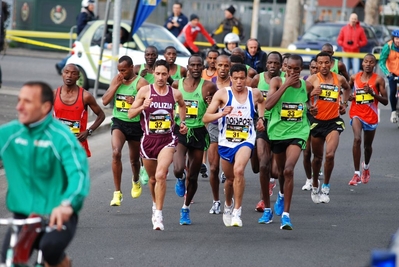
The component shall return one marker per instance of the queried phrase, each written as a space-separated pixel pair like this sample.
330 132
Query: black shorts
280 146
196 138
263 134
131 130
321 129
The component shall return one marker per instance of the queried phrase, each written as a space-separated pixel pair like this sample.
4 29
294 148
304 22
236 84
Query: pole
310 13
102 48
116 36
272 22
255 19
343 10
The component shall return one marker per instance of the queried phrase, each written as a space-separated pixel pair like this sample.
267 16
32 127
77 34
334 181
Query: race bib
264 94
363 98
74 126
160 123
329 92
237 129
121 104
291 112
191 109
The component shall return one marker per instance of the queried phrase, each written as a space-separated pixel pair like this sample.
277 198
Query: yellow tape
38 34
37 43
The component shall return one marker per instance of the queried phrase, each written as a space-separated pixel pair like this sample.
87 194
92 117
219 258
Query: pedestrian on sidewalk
4 16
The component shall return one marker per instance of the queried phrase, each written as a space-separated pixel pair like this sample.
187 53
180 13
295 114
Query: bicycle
23 235
396 78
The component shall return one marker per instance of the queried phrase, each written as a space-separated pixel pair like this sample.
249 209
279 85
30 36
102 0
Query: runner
285 60
327 125
264 156
122 91
155 104
240 52
338 66
369 89
222 80
288 130
236 105
210 72
70 106
176 71
195 90
312 68
147 70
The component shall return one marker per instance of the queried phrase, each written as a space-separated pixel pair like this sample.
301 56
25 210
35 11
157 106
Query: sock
281 195
366 166
186 207
158 213
286 214
267 209
357 172
272 180
228 206
326 185
216 201
153 204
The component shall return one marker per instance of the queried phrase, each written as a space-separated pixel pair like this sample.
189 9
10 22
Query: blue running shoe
286 223
267 217
279 205
185 217
180 186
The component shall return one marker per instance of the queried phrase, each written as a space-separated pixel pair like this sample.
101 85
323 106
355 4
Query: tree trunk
371 12
291 22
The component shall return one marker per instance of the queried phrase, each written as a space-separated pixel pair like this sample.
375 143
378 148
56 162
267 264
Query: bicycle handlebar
28 221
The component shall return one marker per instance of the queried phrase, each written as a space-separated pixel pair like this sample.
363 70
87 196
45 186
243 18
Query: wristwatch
90 131
65 203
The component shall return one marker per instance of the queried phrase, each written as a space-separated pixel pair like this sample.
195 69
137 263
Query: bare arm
255 81
382 97
342 70
260 101
92 103
182 110
140 103
211 113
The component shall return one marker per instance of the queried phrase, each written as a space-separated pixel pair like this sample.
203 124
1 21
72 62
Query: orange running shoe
355 180
260 206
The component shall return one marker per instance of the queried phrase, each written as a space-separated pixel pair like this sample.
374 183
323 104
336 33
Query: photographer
351 38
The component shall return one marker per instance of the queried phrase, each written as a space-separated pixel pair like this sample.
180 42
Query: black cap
231 9
193 17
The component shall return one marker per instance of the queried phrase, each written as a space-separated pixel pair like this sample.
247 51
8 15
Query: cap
231 9
193 17
85 3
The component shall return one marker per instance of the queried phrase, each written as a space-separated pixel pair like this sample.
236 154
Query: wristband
183 122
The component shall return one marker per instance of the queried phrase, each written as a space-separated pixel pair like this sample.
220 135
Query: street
341 233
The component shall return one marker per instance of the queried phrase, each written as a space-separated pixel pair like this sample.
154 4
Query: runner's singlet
177 75
364 106
328 100
215 80
121 107
149 77
205 75
195 106
74 116
264 87
237 127
335 67
288 117
157 119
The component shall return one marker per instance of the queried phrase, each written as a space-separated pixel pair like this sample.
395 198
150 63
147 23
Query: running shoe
320 173
365 175
267 217
227 215
308 185
180 187
153 215
279 205
117 199
143 176
236 218
355 180
215 208
325 192
136 189
158 223
286 223
315 194
260 206
222 178
204 171
185 217
272 185
394 118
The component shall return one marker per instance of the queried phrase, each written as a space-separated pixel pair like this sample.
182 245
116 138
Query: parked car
86 49
382 32
327 32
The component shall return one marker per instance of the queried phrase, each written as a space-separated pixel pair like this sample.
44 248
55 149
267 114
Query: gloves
212 35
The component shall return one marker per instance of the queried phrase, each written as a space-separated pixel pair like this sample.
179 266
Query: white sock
272 180
281 195
286 214
158 213
269 209
186 207
366 166
357 172
216 201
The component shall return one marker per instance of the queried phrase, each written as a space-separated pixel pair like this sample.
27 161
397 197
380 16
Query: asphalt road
341 233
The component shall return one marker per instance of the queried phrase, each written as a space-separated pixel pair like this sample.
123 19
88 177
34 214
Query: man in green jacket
46 169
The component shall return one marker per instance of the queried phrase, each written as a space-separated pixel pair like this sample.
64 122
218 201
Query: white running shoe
215 208
324 196
394 118
227 215
158 223
315 195
308 185
236 218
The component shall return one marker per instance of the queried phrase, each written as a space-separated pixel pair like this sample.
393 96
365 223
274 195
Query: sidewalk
24 52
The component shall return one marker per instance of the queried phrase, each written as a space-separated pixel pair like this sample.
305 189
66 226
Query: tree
371 12
292 21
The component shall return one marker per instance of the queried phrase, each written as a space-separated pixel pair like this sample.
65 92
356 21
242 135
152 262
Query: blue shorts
229 154
365 126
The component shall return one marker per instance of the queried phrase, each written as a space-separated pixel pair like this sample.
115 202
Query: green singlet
121 107
149 77
177 75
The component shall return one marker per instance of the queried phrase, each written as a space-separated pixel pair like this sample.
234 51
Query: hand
351 97
227 110
183 128
316 91
144 72
176 24
109 46
83 136
342 109
129 99
313 110
292 79
212 35
260 125
367 89
169 25
147 103
208 99
117 80
59 215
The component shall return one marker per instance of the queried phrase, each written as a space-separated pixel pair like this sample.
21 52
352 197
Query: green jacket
44 165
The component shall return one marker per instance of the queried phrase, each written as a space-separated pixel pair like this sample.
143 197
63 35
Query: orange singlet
328 102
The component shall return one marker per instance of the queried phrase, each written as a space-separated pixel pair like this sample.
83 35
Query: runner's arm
382 97
110 93
211 113
138 104
92 103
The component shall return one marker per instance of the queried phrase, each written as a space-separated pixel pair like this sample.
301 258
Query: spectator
231 41
190 32
4 16
254 56
230 24
351 38
390 67
176 22
86 15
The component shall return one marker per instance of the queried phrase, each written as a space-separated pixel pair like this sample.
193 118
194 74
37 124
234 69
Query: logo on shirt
21 141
